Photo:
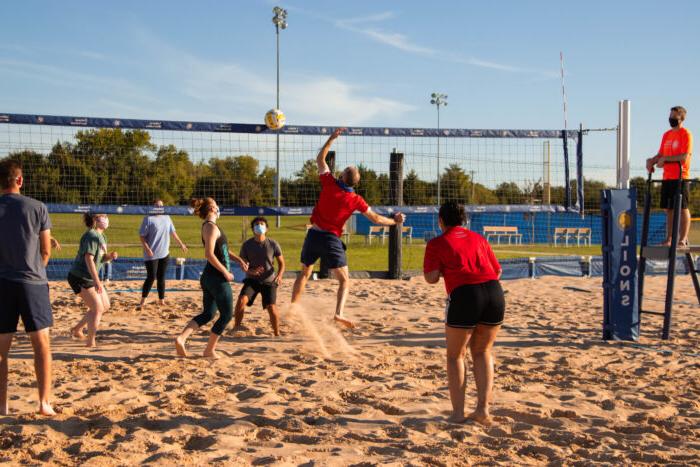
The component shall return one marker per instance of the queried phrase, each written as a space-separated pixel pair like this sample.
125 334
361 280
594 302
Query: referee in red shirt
475 306
336 203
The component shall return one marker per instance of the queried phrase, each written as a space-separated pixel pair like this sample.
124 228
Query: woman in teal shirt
215 280
84 276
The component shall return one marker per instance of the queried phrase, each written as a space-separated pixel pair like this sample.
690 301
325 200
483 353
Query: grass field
122 236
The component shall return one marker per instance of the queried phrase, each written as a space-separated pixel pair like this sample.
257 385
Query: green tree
172 175
40 177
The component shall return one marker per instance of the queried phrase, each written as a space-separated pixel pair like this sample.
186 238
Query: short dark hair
10 169
680 110
258 220
452 214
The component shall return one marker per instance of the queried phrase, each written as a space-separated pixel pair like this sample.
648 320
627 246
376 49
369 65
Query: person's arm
146 248
321 158
431 264
183 247
281 267
432 277
492 259
143 231
665 160
209 235
55 244
241 262
375 218
45 239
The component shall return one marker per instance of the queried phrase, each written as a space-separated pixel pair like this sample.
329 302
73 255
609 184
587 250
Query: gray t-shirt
261 254
157 231
21 220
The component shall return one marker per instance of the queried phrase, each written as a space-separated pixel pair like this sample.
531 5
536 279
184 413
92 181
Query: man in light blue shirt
155 235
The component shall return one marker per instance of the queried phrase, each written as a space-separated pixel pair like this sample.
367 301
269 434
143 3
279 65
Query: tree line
113 166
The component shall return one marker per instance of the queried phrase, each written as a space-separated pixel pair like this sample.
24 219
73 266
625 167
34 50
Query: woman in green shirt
84 276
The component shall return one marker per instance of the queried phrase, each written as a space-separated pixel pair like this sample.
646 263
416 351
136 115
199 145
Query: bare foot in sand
180 347
77 333
46 409
456 418
212 355
481 417
344 322
91 343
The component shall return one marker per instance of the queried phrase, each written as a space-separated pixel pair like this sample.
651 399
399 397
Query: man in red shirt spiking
336 203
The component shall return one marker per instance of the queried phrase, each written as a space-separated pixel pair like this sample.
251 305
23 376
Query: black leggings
155 270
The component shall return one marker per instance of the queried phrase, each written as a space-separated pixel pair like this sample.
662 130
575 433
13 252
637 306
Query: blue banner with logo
620 306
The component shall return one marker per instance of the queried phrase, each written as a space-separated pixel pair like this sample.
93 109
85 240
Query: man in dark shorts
336 203
25 248
260 252
676 147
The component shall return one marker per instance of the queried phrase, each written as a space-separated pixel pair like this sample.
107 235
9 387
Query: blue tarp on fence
125 269
532 225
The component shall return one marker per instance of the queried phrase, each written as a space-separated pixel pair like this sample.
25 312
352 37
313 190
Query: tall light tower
280 22
438 99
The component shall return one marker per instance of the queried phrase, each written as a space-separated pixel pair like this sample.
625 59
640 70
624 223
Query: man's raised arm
321 158
382 220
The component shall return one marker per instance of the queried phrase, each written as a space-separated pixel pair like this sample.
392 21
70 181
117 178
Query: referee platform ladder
668 253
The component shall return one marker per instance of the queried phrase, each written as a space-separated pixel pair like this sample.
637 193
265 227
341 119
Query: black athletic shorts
469 305
326 245
28 301
251 289
77 283
668 194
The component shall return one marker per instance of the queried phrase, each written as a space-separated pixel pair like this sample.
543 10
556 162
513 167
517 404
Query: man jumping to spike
335 205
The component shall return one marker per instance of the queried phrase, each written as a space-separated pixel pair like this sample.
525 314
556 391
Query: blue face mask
259 229
339 181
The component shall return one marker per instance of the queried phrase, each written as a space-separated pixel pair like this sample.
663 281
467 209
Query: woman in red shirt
475 307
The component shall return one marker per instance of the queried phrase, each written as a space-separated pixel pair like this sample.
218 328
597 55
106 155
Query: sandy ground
374 395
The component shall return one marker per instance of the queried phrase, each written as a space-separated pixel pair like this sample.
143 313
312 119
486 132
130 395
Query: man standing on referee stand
676 146
25 248
336 203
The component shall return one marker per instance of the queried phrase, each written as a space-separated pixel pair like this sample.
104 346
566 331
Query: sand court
373 395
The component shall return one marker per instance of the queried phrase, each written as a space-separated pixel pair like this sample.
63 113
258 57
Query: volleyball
275 119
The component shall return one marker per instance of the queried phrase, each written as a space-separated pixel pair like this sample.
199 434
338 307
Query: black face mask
673 122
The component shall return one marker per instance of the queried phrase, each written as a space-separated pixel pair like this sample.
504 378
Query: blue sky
359 63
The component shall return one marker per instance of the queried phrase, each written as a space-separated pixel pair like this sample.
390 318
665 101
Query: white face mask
217 213
102 222
259 229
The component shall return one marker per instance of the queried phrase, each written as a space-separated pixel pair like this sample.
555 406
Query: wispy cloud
367 26
305 98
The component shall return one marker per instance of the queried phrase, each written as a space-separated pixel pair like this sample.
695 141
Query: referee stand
666 253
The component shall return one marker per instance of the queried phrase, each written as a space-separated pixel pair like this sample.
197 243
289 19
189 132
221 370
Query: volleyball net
74 163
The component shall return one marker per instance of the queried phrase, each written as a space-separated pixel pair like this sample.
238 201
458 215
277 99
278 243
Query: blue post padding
620 306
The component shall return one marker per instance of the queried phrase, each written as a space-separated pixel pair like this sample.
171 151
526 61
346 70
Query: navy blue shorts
325 245
29 301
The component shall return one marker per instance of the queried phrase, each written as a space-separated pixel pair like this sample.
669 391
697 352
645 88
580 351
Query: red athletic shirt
462 257
335 205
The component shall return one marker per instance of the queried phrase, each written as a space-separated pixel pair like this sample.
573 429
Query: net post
623 144
395 199
323 272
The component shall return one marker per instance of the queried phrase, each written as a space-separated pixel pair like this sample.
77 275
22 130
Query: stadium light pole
280 22
438 99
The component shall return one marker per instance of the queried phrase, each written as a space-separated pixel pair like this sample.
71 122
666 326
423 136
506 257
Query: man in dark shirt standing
25 248
260 252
